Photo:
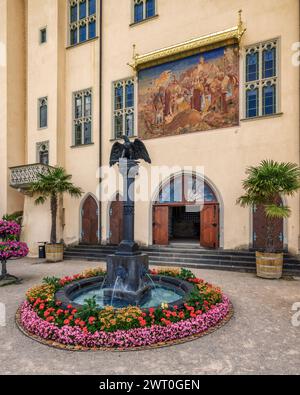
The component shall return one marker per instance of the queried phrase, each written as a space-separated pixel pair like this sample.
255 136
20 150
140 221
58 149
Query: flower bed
13 249
128 328
9 230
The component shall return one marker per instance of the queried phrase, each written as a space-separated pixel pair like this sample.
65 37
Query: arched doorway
178 217
116 221
90 221
260 228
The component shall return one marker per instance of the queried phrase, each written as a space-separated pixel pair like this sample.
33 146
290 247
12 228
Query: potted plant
51 185
262 187
10 248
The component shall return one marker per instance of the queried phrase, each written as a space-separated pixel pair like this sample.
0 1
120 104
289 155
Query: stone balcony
22 176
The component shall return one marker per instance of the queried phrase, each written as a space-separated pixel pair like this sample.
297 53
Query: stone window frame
75 25
42 146
145 18
124 110
41 102
83 118
41 30
261 82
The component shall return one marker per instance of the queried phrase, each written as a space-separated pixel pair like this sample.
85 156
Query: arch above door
178 215
89 220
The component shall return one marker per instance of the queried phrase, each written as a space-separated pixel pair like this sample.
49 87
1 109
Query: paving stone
260 339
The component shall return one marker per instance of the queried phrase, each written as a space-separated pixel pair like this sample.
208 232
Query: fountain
128 264
128 281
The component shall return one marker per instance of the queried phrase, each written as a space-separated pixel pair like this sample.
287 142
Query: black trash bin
42 250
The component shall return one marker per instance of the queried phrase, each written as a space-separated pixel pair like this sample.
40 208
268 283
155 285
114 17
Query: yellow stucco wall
3 115
64 70
224 153
12 101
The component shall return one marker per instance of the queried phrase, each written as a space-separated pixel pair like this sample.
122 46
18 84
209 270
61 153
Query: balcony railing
22 176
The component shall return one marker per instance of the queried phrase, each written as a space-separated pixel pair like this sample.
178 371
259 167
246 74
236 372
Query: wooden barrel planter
54 252
269 265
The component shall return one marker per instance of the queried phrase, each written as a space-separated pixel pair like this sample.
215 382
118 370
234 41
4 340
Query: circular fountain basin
169 290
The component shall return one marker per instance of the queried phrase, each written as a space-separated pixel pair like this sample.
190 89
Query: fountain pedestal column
127 268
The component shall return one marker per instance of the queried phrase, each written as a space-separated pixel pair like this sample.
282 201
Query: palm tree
263 186
49 186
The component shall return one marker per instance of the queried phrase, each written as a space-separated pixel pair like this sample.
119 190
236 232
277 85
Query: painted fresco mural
197 93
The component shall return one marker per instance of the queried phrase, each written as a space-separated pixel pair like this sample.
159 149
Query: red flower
74 311
69 307
50 319
47 313
82 324
59 312
77 322
92 320
85 329
142 322
42 306
66 322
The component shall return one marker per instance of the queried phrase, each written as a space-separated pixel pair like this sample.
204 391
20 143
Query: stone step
172 250
185 255
208 265
103 252
158 261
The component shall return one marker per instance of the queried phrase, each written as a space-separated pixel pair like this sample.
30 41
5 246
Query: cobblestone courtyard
260 339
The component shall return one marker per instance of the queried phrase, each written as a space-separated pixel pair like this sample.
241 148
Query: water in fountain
151 281
118 279
159 294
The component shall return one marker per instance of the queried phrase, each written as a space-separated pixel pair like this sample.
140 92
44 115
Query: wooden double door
90 221
209 225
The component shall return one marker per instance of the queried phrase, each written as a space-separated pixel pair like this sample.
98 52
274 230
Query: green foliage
52 184
263 186
89 309
55 182
186 274
52 281
274 211
16 217
196 299
268 180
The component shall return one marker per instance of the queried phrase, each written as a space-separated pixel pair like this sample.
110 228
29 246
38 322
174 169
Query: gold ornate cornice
188 48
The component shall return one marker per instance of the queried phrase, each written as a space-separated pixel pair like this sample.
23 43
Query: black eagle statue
129 150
